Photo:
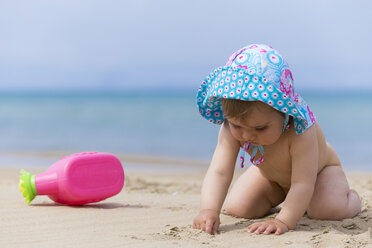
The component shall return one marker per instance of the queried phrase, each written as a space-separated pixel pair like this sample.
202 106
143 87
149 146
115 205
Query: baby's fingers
270 229
261 228
280 231
203 226
209 226
216 226
252 228
196 224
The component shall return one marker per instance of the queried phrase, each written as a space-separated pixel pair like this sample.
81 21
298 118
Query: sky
165 44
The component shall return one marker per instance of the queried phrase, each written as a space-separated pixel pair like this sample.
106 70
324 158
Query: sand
157 210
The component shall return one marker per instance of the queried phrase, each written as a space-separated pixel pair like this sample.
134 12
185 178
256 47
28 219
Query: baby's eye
235 126
260 128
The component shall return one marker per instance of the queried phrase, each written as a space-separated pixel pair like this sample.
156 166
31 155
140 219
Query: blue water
160 124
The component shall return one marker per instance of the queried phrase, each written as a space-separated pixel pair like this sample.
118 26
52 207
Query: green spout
27 186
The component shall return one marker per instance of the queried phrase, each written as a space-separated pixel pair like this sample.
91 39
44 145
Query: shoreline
41 160
132 162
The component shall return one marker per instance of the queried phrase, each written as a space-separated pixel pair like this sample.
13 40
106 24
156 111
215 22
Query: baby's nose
247 136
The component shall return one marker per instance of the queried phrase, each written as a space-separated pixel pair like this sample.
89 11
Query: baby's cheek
270 138
236 134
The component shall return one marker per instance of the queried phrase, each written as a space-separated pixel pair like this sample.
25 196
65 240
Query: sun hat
256 72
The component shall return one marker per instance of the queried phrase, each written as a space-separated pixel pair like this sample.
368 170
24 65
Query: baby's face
262 126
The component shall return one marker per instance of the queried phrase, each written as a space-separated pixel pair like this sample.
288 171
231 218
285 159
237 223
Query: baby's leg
253 195
332 198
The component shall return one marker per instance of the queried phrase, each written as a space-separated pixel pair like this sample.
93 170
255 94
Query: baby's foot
355 204
354 191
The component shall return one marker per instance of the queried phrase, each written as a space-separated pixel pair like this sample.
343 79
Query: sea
156 124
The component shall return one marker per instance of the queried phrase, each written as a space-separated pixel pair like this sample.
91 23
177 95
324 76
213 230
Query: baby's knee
330 212
320 213
335 210
237 210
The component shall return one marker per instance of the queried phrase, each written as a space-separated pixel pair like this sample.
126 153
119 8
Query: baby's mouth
252 142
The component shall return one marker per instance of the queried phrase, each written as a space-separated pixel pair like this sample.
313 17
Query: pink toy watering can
76 179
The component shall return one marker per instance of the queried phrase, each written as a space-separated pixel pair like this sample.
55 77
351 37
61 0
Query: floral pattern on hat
254 73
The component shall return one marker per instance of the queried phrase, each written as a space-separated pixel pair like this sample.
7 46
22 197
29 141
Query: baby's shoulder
306 138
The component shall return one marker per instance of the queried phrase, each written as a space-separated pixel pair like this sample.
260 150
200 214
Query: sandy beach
157 210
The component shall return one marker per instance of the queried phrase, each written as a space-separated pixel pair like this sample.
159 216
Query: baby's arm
304 156
217 181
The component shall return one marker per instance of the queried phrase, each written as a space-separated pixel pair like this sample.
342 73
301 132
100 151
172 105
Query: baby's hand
208 220
267 227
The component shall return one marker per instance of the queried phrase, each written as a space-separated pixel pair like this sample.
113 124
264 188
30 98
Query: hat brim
237 83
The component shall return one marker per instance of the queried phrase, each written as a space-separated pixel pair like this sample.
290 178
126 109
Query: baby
254 99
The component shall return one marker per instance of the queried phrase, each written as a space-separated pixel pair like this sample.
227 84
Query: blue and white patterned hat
254 73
